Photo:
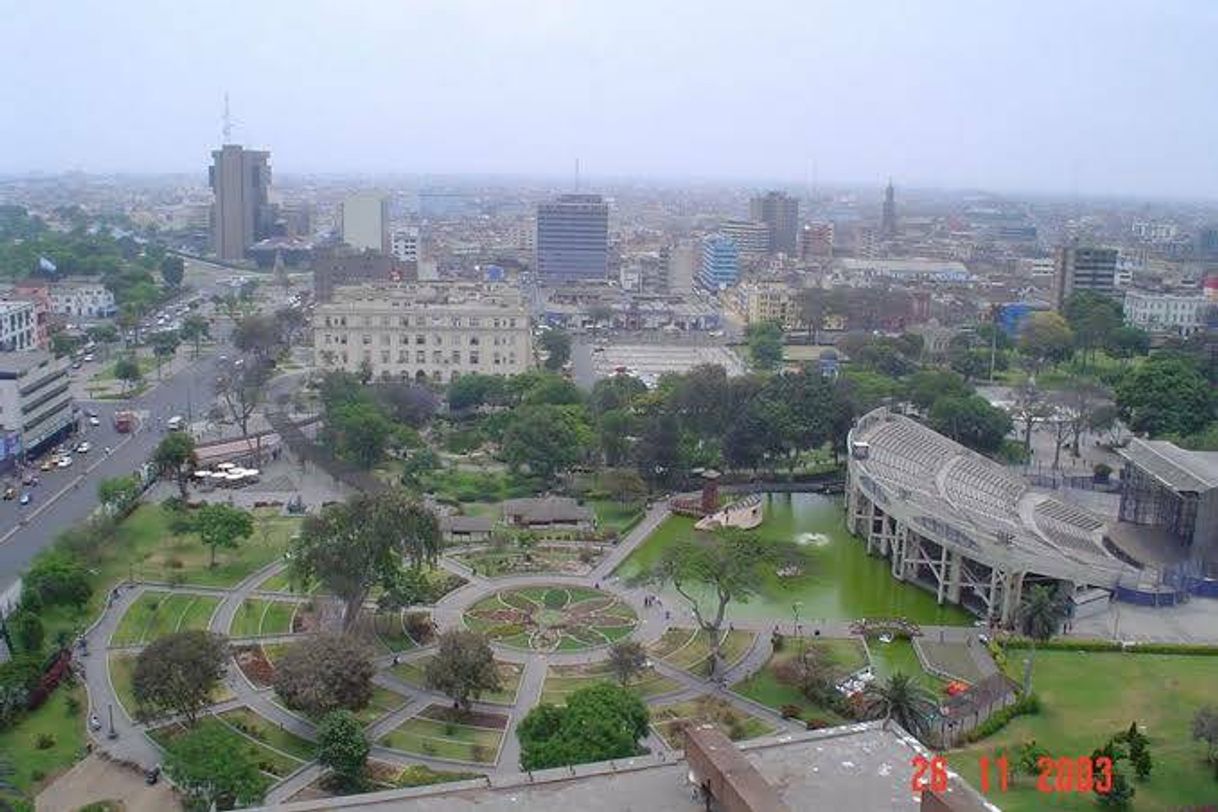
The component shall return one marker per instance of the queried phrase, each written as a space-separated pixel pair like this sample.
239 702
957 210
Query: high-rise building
720 262
365 217
888 221
752 238
573 239
1084 268
816 240
780 213
241 214
406 245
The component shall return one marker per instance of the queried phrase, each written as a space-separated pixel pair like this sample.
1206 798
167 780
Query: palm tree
899 698
1041 613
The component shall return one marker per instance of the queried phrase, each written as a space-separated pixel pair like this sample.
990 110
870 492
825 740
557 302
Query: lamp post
113 734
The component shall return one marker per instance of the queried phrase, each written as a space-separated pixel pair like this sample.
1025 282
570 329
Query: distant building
80 299
423 332
681 261
816 240
752 238
18 327
908 270
1155 232
1165 312
404 245
767 301
39 295
241 215
1037 267
548 511
1084 268
365 222
888 220
573 239
35 404
343 266
720 262
780 213
1207 242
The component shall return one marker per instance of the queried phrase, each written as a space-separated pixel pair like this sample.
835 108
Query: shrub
791 711
777 641
816 724
1029 755
44 741
73 705
1069 644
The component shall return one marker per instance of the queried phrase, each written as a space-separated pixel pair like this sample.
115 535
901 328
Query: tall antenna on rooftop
227 130
577 174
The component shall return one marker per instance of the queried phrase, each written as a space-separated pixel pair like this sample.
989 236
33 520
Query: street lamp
113 734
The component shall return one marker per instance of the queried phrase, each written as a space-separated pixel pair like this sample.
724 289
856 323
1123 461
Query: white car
88 356
65 462
94 421
83 448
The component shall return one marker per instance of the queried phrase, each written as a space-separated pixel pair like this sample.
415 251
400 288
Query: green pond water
841 582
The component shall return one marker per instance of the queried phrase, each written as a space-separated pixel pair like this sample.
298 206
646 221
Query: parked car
94 421
65 462
25 498
88 356
46 465
10 493
83 448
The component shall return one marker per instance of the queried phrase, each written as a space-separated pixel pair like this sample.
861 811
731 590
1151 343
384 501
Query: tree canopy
764 341
463 667
343 748
221 525
325 673
971 421
1165 395
600 722
177 674
175 457
557 346
206 767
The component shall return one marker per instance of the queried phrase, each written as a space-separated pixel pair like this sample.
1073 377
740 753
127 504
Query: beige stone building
767 301
416 331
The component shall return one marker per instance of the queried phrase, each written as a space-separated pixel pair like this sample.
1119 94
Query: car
153 775
10 493
94 421
76 365
46 465
83 448
65 462
91 412
25 498
88 356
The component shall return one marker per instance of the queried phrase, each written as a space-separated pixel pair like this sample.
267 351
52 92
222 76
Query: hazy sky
1055 95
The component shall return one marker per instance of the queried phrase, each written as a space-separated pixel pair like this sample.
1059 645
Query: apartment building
18 326
1165 312
767 301
35 403
424 332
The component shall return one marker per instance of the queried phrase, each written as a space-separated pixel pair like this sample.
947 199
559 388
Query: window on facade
384 356
420 357
473 341
367 339
437 357
420 339
473 357
456 356
437 340
386 340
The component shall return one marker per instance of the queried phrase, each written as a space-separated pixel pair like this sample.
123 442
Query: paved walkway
97 778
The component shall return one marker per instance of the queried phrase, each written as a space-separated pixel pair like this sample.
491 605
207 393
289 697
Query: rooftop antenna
577 174
227 130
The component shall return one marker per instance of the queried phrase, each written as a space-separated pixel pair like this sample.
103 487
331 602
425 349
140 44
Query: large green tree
178 673
353 546
600 722
557 346
547 439
711 570
1093 319
208 769
971 421
1046 338
173 268
127 370
194 329
1165 395
343 748
164 345
175 457
1041 612
463 667
221 525
325 673
764 341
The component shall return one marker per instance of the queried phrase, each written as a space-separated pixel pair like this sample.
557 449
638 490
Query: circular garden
552 618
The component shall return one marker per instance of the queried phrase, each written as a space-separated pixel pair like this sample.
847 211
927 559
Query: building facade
780 213
1085 268
365 222
752 238
424 332
1165 312
404 245
816 240
767 301
34 400
572 239
82 300
720 262
888 219
241 214
40 296
18 326
681 263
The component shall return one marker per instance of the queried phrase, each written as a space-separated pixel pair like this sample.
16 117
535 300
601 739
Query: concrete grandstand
963 526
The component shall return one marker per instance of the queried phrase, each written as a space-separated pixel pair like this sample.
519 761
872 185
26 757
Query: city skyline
863 94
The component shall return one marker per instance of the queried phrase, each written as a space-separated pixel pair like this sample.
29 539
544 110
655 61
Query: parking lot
649 361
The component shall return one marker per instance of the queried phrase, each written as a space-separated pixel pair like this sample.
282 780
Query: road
78 484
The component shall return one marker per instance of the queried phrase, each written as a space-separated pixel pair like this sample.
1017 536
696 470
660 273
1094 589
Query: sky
1058 96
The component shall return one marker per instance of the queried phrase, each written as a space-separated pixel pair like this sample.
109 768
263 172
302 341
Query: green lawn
765 686
31 765
383 701
279 582
737 725
440 739
155 614
256 618
689 649
563 680
1087 697
420 775
613 515
247 721
269 761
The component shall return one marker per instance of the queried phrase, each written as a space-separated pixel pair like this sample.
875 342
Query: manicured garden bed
669 720
257 618
436 733
552 618
563 680
155 614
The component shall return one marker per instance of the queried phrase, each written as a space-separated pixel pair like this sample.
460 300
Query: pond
841 582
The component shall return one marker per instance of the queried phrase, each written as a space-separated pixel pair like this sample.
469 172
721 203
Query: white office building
18 327
35 403
414 331
365 222
82 300
1165 312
